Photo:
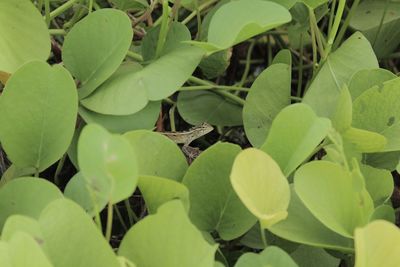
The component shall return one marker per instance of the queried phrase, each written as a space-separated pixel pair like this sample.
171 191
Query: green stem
135 56
40 5
60 165
120 218
163 30
247 66
172 118
345 25
210 87
90 7
47 12
263 239
300 82
314 44
201 8
57 32
381 22
335 28
331 15
109 221
61 9
131 215
313 22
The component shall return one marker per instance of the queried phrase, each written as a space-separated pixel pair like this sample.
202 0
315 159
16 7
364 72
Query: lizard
189 136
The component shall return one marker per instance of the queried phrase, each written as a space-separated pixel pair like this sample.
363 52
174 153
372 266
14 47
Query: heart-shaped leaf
110 31
260 184
38 111
271 256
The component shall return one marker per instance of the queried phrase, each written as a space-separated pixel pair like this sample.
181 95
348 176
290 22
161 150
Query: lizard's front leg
191 153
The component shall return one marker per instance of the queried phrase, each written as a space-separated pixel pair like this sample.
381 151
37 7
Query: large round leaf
377 244
131 92
294 134
159 155
268 95
307 256
27 196
96 46
167 239
72 238
38 111
24 34
318 183
301 226
108 163
260 184
354 54
214 204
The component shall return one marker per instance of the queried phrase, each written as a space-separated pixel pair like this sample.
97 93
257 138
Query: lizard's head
206 128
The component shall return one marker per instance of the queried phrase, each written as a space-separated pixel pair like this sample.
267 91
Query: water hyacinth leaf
384 212
26 196
205 106
38 111
158 190
307 256
131 92
261 185
317 184
159 155
386 160
14 172
354 54
79 191
244 19
284 57
214 204
271 256
377 110
379 183
290 148
143 119
21 21
130 5
268 95
379 21
365 79
112 33
377 244
25 251
177 33
108 163
302 227
85 241
21 223
170 238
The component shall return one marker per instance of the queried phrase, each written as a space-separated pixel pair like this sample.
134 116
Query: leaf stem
263 239
131 215
201 7
335 28
247 66
109 221
47 12
345 25
210 87
163 30
381 22
60 165
135 56
61 9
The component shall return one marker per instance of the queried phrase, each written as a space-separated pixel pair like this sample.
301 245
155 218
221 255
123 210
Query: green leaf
271 256
377 110
130 92
157 191
38 111
302 227
379 183
216 64
130 5
214 204
260 184
379 21
307 256
365 141
314 3
290 148
159 155
26 196
79 191
24 35
21 223
268 95
342 118
244 20
108 163
355 54
64 220
377 244
205 106
384 212
143 119
284 56
109 31
365 79
24 251
170 238
318 183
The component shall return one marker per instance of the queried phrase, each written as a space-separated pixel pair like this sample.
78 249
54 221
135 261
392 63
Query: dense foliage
301 168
